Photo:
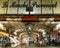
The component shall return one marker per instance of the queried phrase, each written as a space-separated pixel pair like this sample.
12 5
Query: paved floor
33 46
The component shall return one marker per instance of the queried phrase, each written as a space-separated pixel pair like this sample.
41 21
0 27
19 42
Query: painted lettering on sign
25 4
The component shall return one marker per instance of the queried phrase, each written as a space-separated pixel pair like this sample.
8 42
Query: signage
25 4
29 19
29 7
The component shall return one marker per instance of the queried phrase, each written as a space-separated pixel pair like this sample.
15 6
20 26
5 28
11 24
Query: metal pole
41 7
7 7
29 6
18 7
52 7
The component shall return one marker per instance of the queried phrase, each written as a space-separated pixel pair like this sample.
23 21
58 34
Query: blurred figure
26 41
15 41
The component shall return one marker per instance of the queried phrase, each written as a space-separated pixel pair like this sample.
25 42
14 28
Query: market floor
33 46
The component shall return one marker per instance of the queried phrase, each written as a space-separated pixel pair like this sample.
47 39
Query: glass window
11 8
3 10
57 9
